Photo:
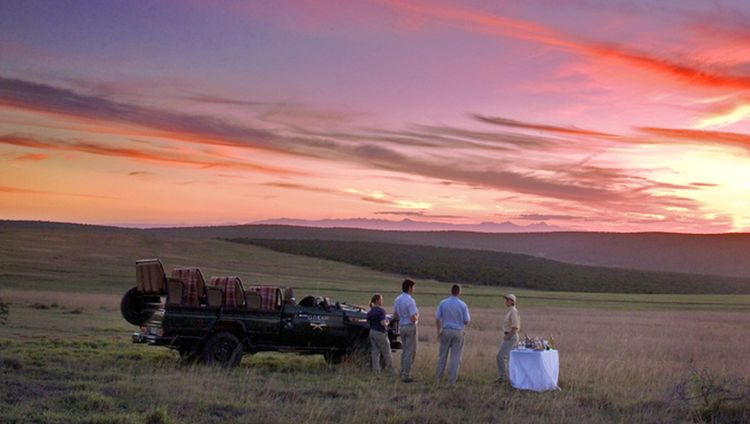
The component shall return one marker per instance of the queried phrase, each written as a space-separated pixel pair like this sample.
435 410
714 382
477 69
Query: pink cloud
479 21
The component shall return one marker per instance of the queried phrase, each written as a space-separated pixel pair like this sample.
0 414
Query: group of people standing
451 318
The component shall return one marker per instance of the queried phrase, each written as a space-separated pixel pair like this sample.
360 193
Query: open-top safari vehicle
219 321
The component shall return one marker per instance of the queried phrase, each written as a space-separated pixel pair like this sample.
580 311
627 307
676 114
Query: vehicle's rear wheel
222 349
136 307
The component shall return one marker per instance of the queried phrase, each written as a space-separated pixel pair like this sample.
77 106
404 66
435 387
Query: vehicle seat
289 298
194 286
150 276
252 300
175 288
270 296
233 295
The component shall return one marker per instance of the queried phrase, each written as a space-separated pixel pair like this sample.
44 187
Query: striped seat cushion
195 287
231 288
268 296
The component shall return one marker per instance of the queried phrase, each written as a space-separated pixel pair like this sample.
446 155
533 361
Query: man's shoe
407 380
499 381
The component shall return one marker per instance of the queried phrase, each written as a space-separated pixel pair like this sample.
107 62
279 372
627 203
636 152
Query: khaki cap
511 297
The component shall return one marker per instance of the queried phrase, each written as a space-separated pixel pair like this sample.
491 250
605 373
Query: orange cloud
703 136
19 190
32 157
475 20
149 155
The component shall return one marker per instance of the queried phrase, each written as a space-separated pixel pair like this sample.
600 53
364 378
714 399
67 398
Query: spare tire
135 306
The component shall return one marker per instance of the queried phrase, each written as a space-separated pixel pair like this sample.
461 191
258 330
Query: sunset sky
583 114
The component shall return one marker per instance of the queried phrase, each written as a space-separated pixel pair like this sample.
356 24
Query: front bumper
152 339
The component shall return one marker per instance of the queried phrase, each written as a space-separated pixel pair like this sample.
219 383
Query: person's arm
467 317
383 319
514 326
438 318
414 312
511 333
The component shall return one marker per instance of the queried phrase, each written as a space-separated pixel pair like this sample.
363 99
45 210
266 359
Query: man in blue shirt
405 310
451 316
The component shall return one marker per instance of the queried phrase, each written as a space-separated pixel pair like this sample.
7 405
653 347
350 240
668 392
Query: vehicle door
314 325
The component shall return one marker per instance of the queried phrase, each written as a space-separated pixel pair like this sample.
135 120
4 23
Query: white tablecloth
535 370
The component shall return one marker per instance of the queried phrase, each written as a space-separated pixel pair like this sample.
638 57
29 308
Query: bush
706 397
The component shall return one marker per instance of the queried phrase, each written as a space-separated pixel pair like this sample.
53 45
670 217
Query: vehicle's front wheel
222 349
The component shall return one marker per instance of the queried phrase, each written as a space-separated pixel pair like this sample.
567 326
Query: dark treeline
500 269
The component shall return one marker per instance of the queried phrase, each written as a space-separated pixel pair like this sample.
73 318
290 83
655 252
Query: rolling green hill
47 257
501 269
707 254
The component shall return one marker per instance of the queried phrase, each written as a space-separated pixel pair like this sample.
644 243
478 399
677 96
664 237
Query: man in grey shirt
405 310
451 316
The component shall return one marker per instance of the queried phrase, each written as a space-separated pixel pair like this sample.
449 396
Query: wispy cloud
549 217
202 129
21 190
297 186
419 214
204 98
138 154
559 168
539 127
667 135
480 21
32 157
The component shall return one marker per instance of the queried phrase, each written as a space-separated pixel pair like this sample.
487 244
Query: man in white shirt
405 310
451 316
511 327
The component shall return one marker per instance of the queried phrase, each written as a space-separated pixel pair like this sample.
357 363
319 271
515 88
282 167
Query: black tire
222 349
135 307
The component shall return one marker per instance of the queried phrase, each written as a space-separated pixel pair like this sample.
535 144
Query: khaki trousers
408 348
380 346
453 341
505 347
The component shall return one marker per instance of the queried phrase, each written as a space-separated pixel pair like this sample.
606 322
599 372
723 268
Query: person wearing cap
511 327
451 316
406 312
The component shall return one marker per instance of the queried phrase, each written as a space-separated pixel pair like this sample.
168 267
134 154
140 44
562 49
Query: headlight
358 320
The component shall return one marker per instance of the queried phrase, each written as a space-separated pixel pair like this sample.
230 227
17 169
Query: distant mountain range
411 225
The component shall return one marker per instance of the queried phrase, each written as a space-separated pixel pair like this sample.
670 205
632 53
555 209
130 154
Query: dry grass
615 367
66 356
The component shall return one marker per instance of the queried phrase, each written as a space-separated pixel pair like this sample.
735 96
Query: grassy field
66 354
